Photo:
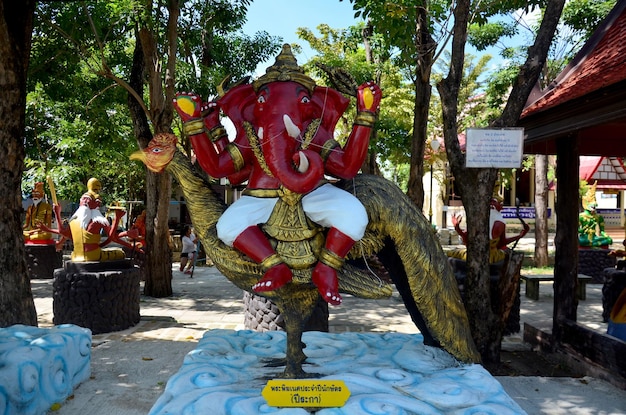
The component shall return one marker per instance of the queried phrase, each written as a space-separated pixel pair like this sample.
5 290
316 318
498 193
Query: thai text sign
306 393
494 148
524 212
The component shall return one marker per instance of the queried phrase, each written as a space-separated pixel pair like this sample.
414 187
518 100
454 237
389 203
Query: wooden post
622 194
566 239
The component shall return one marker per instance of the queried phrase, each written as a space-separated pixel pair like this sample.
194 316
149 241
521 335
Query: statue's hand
119 213
188 106
39 227
456 220
131 234
211 113
368 97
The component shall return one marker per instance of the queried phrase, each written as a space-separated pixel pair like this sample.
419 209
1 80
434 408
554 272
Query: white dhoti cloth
328 206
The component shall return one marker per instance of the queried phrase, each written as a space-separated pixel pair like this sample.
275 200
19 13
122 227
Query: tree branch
531 69
106 71
108 74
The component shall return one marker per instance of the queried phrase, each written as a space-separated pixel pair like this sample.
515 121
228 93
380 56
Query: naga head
159 152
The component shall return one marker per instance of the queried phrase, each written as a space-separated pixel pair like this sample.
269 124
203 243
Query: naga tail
405 242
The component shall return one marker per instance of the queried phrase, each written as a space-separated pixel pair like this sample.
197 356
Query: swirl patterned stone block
40 367
390 373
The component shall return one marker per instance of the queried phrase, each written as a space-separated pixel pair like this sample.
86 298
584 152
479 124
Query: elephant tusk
292 129
304 162
260 133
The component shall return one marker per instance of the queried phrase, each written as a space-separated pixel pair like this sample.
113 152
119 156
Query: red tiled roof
588 166
601 63
607 172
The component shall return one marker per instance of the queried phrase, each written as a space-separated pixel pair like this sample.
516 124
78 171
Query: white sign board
494 148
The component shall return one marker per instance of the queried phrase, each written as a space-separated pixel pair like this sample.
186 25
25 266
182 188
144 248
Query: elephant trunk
299 170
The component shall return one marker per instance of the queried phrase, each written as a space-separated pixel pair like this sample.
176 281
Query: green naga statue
590 224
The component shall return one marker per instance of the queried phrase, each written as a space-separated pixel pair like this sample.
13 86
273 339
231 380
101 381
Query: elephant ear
238 103
332 105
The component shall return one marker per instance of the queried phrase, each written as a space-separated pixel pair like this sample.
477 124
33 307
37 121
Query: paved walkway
209 301
130 367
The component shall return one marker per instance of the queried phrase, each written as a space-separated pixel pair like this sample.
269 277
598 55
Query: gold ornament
589 198
285 69
366 119
193 127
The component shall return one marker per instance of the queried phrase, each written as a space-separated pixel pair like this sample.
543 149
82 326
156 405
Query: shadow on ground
531 363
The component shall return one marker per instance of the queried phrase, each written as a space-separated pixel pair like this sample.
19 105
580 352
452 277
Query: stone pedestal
101 296
138 259
261 314
512 324
444 236
42 260
614 284
593 261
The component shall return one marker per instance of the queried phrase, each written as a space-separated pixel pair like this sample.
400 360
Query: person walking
188 253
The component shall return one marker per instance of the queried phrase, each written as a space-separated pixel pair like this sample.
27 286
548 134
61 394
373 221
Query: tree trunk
476 191
477 185
476 188
158 252
423 90
370 166
541 210
16 299
158 262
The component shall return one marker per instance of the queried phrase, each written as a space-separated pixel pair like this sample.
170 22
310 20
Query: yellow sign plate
299 393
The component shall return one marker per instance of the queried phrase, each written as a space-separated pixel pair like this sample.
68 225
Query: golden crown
590 197
285 69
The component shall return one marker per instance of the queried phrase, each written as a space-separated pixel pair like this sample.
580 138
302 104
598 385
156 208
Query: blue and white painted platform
40 367
390 373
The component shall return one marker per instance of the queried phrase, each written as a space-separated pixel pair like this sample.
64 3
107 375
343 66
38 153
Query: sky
283 17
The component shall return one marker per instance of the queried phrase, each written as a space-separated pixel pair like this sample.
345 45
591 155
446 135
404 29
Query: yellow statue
86 225
40 212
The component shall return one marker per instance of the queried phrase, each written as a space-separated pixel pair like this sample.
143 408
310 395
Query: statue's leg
296 310
255 244
346 219
332 257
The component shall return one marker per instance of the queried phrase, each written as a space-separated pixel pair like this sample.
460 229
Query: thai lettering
300 399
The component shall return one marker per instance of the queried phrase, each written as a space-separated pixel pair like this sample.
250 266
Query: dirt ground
530 363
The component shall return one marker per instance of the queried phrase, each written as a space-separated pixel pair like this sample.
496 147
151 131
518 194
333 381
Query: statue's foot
274 278
325 279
